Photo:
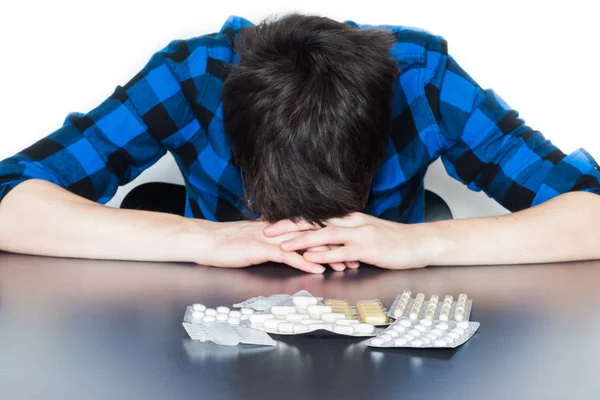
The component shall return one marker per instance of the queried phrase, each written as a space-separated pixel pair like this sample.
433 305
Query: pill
449 340
223 309
318 309
346 322
368 302
429 313
330 317
392 333
233 321
399 328
304 301
426 322
453 335
448 299
415 332
310 321
335 302
400 341
272 323
376 341
197 314
426 340
364 328
416 343
440 343
344 330
282 310
374 319
294 317
422 328
459 330
408 337
462 297
244 317
437 331
459 317
431 336
463 324
442 326
260 318
286 327
222 317
314 327
420 297
235 313
208 318
434 298
210 311
443 317
199 307
406 323
247 311
300 328
399 311
385 337
459 309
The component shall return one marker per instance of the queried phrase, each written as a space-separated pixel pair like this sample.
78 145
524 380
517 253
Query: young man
302 141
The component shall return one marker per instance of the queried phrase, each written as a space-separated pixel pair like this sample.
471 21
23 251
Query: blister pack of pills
222 325
304 313
435 308
427 333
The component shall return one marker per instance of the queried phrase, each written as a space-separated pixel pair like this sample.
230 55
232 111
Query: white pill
431 336
235 314
437 331
210 311
364 328
408 337
282 310
260 318
310 321
315 327
304 301
449 339
197 314
301 310
344 330
426 322
294 317
443 317
417 343
318 309
244 317
299 328
459 317
344 322
442 326
440 343
458 330
286 327
222 317
453 335
463 324
272 323
233 321
247 311
208 318
199 307
399 328
331 317
392 333
376 341
386 337
422 328
400 341
223 309
405 322
426 340
415 332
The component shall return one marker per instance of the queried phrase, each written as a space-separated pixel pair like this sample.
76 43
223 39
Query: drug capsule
235 314
210 311
400 342
304 301
223 309
364 328
260 318
318 309
331 317
197 314
296 317
344 330
222 317
198 307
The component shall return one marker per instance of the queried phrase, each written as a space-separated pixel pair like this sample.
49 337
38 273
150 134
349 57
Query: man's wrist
192 240
436 242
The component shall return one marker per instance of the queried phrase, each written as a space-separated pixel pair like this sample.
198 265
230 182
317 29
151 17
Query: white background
64 55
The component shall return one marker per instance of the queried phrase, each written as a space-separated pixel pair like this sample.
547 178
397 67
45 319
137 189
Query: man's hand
357 237
241 244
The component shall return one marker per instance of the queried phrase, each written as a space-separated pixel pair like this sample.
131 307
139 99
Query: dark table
112 330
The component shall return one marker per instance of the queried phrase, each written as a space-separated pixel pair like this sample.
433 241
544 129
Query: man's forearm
566 228
41 218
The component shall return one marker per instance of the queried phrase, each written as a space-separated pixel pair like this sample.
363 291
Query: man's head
307 112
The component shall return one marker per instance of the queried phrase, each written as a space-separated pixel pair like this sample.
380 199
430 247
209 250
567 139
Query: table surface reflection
112 330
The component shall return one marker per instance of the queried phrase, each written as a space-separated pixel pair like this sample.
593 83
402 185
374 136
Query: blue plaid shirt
174 105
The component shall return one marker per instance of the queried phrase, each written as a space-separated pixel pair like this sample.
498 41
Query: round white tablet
415 332
436 331
223 309
426 340
393 333
235 314
408 337
442 326
405 322
431 336
385 337
453 335
399 328
422 328
199 307
463 324
247 311
304 301
210 311
197 314
426 322
233 320
208 318
417 343
400 341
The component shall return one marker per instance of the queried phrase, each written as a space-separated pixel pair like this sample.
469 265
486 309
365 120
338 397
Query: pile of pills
406 332
307 315
199 312
433 309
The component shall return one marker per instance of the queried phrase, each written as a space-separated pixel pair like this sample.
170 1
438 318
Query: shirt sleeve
94 153
488 147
